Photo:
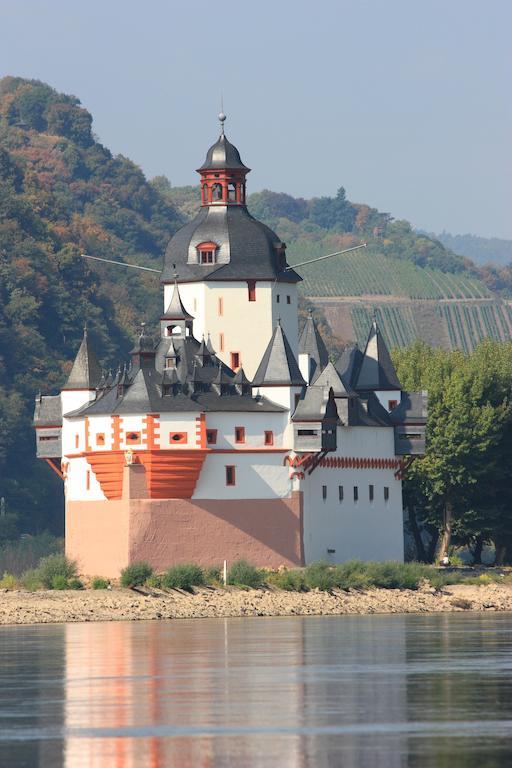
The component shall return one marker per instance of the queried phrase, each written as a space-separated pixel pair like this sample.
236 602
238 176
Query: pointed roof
223 154
210 347
86 371
241 378
330 377
376 370
348 363
278 367
176 310
311 343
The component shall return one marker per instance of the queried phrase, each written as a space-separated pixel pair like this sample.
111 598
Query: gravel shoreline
47 607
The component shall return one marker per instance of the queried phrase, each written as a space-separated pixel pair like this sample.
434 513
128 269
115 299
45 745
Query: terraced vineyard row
460 325
362 273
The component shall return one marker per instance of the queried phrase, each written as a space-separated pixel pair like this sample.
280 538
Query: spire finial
222 117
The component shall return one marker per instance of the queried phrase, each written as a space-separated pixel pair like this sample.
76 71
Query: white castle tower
228 436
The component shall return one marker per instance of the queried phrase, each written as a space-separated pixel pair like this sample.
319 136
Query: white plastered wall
363 529
255 425
258 476
246 326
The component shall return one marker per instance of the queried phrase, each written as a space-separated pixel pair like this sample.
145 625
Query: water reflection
353 691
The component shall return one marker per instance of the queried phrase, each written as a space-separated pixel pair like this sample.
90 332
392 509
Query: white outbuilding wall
338 529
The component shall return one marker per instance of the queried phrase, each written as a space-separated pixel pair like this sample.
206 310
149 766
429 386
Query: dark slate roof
199 382
176 310
369 413
311 343
330 377
86 372
223 155
48 411
247 248
317 404
376 370
278 366
348 364
412 409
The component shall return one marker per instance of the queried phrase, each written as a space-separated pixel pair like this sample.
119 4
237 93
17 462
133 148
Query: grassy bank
57 572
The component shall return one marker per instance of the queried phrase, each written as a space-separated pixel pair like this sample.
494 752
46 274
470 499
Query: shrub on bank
352 575
30 580
56 568
98 582
184 576
290 581
213 575
244 574
136 574
59 582
75 584
8 581
320 575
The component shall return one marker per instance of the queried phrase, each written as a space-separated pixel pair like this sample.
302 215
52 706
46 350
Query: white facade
235 324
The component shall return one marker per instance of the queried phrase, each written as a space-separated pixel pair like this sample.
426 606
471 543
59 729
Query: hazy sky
406 103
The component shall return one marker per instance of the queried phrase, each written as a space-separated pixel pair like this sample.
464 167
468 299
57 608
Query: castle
232 436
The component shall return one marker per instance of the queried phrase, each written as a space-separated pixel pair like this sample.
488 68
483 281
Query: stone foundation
105 536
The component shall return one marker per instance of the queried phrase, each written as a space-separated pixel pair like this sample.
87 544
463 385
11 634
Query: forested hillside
482 250
62 194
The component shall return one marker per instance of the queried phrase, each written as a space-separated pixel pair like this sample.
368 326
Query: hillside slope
481 250
62 193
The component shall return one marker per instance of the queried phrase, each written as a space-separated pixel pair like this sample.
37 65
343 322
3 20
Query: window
269 437
386 493
235 360
100 438
340 492
205 193
177 437
173 330
88 480
356 493
324 492
221 342
392 404
133 438
288 299
370 492
195 305
230 475
170 362
278 298
220 306
217 192
251 288
410 436
211 436
307 432
207 257
77 441
45 438
239 434
231 192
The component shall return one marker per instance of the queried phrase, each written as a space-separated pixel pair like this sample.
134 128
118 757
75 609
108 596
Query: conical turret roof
311 343
176 310
278 366
376 370
86 372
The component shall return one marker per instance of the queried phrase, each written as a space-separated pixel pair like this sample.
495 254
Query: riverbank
47 607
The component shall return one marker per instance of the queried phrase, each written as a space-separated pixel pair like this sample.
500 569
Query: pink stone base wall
104 536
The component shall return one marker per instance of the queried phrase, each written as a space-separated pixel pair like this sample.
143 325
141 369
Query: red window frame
239 435
251 290
235 361
230 474
100 438
211 436
392 404
133 438
177 438
269 437
220 308
221 342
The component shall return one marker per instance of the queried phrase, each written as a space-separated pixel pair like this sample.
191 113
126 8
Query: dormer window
206 253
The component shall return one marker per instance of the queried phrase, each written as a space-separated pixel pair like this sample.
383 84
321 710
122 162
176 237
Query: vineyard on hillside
364 273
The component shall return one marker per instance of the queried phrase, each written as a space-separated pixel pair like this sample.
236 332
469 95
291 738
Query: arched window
232 192
173 330
217 192
205 193
206 252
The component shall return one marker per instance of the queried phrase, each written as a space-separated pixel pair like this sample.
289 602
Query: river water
387 691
